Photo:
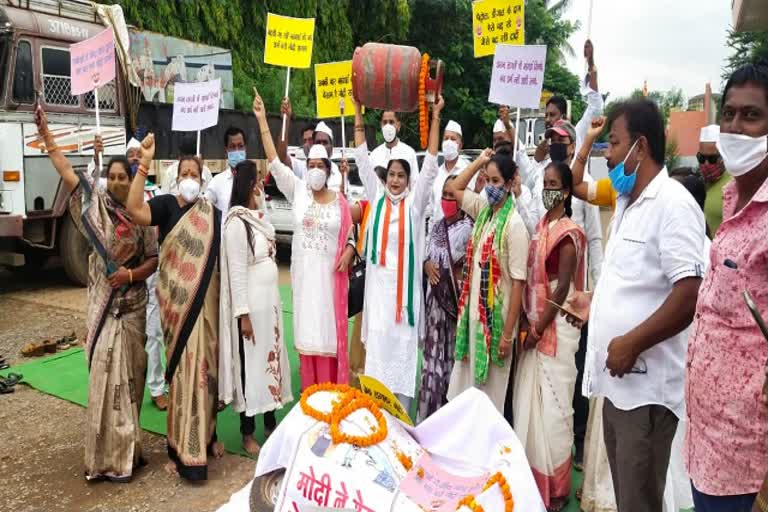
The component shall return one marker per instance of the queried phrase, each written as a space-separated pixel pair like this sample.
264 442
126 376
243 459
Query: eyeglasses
712 159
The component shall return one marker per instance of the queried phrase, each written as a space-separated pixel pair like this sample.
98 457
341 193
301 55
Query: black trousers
248 423
580 403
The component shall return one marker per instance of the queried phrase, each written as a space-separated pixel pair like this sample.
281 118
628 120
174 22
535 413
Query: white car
280 209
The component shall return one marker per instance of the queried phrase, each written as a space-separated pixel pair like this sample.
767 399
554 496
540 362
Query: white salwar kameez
313 260
249 287
392 347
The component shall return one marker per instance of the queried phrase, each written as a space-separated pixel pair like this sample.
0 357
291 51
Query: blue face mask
235 157
495 194
622 183
134 168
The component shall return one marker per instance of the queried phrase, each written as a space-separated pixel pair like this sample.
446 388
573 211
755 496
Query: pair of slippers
49 346
7 384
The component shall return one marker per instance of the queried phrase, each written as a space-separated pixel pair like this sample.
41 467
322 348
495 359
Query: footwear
4 365
33 349
12 379
50 346
5 388
160 401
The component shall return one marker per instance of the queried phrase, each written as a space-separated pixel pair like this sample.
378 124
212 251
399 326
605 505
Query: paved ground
41 450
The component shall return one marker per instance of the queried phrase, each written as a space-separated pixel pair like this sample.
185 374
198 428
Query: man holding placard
393 147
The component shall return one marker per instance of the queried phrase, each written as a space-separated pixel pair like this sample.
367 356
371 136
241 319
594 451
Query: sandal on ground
12 379
559 507
579 493
5 388
50 346
4 366
33 349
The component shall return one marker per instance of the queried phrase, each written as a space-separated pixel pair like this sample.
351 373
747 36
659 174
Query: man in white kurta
393 147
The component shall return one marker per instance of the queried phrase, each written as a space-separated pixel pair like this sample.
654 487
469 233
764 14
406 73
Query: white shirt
381 156
219 192
168 180
653 243
299 167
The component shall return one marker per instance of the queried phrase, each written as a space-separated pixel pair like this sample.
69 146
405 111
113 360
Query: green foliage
671 158
440 27
747 47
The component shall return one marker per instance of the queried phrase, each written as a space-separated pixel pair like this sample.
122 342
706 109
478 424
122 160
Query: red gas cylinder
386 77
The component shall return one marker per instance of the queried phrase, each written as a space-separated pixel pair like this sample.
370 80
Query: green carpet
65 375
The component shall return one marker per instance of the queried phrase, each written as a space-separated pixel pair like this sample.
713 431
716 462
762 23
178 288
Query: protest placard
518 75
384 398
92 62
289 41
434 489
497 22
333 82
196 105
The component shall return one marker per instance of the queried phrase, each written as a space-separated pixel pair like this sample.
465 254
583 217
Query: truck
35 35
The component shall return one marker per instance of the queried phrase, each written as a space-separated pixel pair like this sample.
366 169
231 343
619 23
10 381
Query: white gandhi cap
317 151
322 127
453 126
499 127
132 144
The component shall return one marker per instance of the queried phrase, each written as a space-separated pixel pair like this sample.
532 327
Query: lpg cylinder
386 76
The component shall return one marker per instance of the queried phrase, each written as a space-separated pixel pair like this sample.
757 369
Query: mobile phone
756 314
565 310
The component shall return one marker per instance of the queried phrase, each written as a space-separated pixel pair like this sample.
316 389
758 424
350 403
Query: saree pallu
188 296
543 412
115 342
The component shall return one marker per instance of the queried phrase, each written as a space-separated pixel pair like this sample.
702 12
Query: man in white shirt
393 147
219 191
453 164
299 162
644 300
167 180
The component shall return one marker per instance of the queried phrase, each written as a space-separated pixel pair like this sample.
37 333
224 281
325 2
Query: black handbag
356 294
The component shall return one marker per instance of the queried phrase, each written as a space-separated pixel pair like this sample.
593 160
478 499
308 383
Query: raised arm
460 184
594 99
282 146
59 161
137 207
364 168
580 187
429 168
284 178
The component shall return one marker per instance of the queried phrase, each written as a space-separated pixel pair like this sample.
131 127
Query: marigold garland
423 108
405 460
350 401
509 503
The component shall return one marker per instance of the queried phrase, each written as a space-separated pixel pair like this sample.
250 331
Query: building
750 15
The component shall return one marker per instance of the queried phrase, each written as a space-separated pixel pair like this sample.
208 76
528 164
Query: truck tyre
265 490
74 251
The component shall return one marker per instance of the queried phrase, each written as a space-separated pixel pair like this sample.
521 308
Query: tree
748 47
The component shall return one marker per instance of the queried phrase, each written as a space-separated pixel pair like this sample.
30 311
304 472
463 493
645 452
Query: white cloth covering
381 156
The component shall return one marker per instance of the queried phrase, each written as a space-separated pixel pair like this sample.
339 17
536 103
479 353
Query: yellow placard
545 97
333 82
289 41
497 21
384 398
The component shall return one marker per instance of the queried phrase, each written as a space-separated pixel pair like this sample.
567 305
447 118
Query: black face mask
558 151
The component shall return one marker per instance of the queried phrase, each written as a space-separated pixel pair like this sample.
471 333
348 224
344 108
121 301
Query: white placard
518 75
196 105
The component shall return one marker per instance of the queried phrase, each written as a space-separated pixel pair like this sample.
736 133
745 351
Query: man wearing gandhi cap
713 171
453 164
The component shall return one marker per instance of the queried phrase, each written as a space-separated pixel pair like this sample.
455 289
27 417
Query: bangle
505 339
130 275
266 132
143 170
581 158
51 149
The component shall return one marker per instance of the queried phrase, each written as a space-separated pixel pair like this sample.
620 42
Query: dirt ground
41 451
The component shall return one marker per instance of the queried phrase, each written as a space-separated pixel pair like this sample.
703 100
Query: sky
669 43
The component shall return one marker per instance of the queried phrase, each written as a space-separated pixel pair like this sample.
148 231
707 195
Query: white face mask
396 198
450 150
189 189
389 132
316 178
742 153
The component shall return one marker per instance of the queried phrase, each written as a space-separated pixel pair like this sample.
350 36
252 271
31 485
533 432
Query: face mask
450 150
189 189
235 157
558 151
450 207
622 183
134 169
742 153
552 198
711 172
119 191
495 194
316 178
389 132
395 199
